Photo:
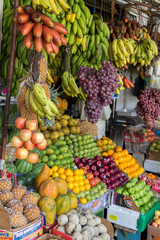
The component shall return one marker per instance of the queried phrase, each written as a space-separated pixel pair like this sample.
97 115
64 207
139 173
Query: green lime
52 157
63 161
44 152
57 162
44 159
50 163
57 152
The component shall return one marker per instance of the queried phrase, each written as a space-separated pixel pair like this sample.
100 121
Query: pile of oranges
127 163
105 145
75 179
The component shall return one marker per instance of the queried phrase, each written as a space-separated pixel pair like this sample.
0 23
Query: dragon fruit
156 187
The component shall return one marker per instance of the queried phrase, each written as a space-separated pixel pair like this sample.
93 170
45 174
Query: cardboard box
152 232
30 231
151 155
48 237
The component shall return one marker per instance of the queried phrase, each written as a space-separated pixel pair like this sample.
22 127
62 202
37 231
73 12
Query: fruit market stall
58 179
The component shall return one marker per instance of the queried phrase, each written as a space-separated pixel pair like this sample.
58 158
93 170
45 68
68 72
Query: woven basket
88 128
10 151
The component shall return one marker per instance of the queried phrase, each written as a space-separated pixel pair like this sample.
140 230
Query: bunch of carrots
127 83
40 29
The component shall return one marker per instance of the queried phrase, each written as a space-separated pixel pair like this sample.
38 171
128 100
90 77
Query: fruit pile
120 51
58 154
63 126
82 145
140 193
127 163
148 106
104 145
99 86
156 219
20 204
150 135
155 146
151 180
104 169
28 140
40 29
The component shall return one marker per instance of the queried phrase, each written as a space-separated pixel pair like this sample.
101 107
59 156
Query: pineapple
17 219
21 98
43 69
6 196
27 113
29 198
5 184
31 212
15 205
47 90
18 191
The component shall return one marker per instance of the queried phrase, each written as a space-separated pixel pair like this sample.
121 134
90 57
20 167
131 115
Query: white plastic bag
157 68
154 82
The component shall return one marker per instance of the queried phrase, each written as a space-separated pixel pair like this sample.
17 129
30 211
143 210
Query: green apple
142 183
150 193
134 179
155 199
128 185
140 201
131 190
142 210
137 187
146 207
97 195
137 195
145 199
119 190
125 192
88 197
137 203
133 196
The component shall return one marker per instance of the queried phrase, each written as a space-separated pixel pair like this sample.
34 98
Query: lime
43 152
44 159
57 162
59 157
52 157
63 161
57 152
50 163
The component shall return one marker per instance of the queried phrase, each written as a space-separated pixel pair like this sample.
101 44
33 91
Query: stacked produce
140 193
120 51
81 225
40 29
148 106
125 28
104 169
156 219
151 180
99 86
82 146
58 154
28 140
143 51
127 163
155 146
104 145
20 204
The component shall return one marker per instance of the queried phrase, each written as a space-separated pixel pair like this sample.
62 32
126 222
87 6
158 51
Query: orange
80 178
76 178
54 168
104 137
99 143
115 155
68 172
70 185
110 152
125 151
55 174
75 190
116 162
83 200
118 149
85 181
121 166
63 176
104 154
104 142
120 159
100 149
87 186
104 148
81 171
75 184
119 154
61 170
81 183
76 172
110 141
70 179
129 157
51 171
81 188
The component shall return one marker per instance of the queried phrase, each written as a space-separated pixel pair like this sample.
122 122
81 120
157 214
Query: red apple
83 160
79 165
90 176
20 122
101 170
76 160
106 168
96 173
97 158
31 124
93 168
92 183
98 163
87 167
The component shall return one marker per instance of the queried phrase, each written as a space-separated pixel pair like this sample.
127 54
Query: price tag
112 217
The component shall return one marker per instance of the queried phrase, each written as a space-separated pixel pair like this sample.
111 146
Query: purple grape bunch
148 106
99 85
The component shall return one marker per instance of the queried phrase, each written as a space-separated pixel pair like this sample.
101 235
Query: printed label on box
122 201
113 218
95 203
5 235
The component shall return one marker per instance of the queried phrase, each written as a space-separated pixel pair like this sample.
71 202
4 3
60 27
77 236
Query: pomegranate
29 145
21 153
20 123
32 158
16 142
31 125
25 135
42 146
37 138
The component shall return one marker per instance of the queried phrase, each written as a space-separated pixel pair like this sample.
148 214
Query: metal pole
9 87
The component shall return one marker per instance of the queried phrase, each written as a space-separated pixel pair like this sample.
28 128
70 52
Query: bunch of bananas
69 85
143 52
38 103
81 94
121 88
120 51
54 66
51 6
142 33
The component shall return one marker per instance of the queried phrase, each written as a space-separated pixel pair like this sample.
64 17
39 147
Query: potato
89 229
69 228
62 220
68 214
97 220
61 229
102 228
88 216
78 228
74 218
79 210
95 238
88 211
73 211
82 220
105 236
91 222
77 236
86 235
96 231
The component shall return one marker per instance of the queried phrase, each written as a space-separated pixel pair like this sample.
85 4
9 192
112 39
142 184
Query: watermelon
20 180
10 167
29 179
37 168
23 166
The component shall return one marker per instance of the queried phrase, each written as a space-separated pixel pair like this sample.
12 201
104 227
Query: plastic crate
146 218
100 213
